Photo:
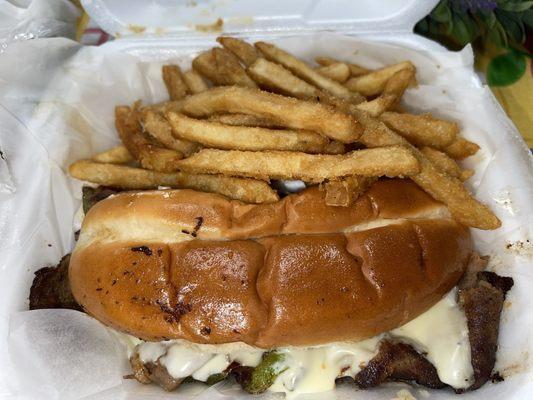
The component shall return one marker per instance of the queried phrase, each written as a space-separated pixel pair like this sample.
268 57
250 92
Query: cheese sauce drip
440 333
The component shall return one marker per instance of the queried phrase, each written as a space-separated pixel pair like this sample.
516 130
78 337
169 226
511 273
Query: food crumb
214 27
137 29
404 394
520 248
496 377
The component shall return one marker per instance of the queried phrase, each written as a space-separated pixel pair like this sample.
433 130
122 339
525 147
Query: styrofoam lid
189 18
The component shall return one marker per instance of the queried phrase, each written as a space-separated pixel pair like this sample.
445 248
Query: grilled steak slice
153 372
51 288
398 362
481 295
91 196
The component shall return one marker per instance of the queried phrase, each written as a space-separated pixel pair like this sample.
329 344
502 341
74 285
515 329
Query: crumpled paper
57 101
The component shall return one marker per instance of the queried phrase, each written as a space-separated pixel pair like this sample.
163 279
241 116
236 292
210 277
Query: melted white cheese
441 333
314 369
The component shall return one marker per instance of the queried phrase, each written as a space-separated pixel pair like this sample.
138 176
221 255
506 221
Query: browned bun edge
241 283
173 215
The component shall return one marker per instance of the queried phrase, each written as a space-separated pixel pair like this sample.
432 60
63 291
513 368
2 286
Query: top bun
197 266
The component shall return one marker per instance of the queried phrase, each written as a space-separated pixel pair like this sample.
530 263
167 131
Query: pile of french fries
246 114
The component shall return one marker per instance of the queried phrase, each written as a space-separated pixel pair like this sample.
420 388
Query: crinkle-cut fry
391 95
244 120
390 161
305 72
194 81
244 51
445 163
442 187
339 72
220 136
374 82
343 192
278 79
116 155
422 130
247 190
176 87
159 128
461 148
150 154
355 70
287 112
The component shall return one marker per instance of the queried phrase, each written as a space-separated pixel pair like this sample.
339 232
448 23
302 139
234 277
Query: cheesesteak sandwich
288 296
358 277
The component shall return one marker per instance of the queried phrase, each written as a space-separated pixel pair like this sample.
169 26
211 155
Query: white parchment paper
56 106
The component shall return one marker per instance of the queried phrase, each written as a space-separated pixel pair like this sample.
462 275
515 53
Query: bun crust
183 264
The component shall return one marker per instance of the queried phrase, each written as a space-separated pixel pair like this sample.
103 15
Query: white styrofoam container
374 33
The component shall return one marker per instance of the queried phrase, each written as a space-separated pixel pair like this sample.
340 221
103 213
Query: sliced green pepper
264 375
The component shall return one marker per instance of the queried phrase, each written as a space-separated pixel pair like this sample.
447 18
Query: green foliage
506 69
456 23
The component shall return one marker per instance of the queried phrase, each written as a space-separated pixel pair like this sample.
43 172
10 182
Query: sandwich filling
314 369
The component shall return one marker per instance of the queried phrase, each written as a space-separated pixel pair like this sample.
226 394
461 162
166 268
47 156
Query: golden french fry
446 189
242 50
461 148
422 130
305 72
343 192
287 112
374 82
390 161
377 134
391 95
247 190
229 67
117 155
355 70
243 120
220 136
194 81
339 72
149 154
445 163
205 65
465 208
277 78
174 82
222 68
159 128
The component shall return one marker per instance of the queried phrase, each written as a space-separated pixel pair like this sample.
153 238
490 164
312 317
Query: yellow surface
517 101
